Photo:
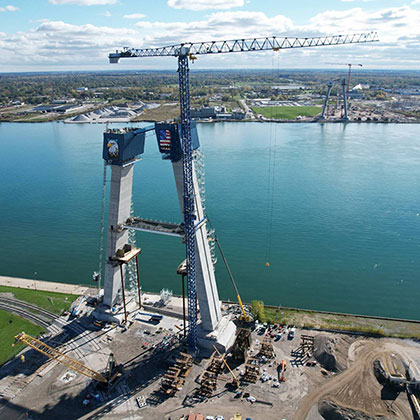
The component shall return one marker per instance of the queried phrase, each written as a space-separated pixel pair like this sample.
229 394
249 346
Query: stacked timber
175 376
252 370
208 384
266 348
184 363
171 382
208 379
242 344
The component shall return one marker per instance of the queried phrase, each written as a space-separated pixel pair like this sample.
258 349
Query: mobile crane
189 51
112 372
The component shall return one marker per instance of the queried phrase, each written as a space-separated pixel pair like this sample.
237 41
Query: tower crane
348 78
189 51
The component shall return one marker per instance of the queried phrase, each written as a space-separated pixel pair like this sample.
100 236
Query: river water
334 209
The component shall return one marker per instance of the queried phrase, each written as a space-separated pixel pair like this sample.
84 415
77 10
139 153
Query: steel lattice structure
189 50
187 161
59 357
243 45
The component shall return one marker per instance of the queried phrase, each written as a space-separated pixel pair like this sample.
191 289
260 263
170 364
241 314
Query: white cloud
415 2
390 23
205 4
135 16
84 2
57 43
220 25
8 8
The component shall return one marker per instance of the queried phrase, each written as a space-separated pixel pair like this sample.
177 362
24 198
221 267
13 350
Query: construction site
83 369
121 353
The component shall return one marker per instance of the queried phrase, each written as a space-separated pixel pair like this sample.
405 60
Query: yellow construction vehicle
112 372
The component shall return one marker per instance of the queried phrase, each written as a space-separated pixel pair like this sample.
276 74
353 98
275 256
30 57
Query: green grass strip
51 301
11 325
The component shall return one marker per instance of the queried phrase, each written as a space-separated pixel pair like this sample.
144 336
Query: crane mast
187 162
348 78
189 51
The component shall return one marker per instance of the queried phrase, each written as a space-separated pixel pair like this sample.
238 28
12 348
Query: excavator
113 370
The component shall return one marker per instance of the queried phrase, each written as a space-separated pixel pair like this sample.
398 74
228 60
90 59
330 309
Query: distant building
218 113
238 114
204 112
223 116
61 109
63 101
17 103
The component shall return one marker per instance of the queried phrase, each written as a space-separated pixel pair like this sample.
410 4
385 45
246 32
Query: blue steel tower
187 162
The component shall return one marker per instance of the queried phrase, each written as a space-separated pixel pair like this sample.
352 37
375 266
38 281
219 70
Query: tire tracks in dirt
357 385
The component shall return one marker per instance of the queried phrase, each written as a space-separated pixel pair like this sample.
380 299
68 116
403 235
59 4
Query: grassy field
164 112
287 112
342 322
53 302
10 325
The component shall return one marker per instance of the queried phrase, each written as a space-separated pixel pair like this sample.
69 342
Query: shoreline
221 121
214 121
77 289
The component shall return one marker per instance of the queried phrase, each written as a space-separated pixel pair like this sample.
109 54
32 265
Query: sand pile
332 411
325 352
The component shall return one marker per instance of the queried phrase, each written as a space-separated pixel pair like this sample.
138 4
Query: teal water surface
334 209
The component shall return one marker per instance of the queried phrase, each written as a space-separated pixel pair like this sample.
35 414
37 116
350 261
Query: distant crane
348 79
189 51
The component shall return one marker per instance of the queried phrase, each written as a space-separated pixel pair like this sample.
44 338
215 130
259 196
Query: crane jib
243 45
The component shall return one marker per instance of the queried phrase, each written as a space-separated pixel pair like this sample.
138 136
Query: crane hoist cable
97 276
238 297
271 178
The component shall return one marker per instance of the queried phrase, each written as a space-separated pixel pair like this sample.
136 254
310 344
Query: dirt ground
357 387
50 391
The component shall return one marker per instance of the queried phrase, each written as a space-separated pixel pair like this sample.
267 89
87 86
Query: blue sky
79 34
